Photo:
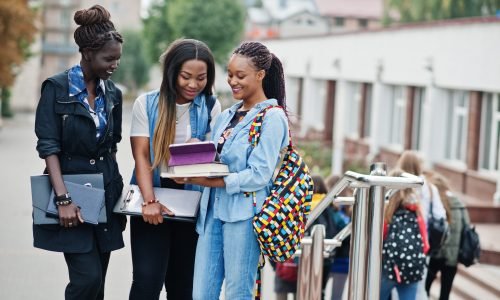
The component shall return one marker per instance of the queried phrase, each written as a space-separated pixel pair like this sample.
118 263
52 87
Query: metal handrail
357 180
365 227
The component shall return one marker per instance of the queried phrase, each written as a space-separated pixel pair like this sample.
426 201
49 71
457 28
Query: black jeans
162 254
87 274
447 275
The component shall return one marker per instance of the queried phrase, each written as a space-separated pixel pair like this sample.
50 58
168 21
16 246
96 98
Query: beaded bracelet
150 202
65 202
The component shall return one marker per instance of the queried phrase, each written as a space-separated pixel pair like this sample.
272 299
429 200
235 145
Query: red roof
372 9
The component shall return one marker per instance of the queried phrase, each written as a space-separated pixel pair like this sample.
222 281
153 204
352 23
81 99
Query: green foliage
157 32
134 65
427 10
317 156
218 23
5 97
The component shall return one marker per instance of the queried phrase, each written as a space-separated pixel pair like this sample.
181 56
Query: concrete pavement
30 273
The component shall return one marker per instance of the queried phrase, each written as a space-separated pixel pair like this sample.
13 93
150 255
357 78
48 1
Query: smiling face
103 62
245 81
191 80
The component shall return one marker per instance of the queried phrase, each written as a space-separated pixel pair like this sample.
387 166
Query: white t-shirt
140 124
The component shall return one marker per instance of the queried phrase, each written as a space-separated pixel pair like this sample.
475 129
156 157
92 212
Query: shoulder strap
256 127
431 199
210 103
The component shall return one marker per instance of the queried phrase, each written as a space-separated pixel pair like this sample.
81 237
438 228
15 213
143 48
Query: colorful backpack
280 224
403 258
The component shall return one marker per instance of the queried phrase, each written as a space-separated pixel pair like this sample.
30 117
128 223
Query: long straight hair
410 162
176 55
443 188
399 199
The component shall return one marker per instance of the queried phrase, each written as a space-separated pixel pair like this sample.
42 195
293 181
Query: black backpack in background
403 258
470 247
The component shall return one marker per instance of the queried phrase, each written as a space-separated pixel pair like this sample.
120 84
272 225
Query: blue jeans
227 251
405 291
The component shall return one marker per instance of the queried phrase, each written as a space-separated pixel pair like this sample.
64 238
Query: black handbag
437 229
470 247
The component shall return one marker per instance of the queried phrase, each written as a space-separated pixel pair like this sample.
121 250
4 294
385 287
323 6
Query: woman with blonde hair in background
446 259
405 244
430 201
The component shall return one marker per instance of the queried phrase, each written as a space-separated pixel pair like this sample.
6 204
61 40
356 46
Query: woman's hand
69 215
203 181
152 213
193 140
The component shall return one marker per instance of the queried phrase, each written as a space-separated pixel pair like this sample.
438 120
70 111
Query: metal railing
365 227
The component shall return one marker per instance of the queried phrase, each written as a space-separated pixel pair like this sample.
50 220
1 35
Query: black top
238 116
65 128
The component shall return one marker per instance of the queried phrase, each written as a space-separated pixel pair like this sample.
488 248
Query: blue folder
89 199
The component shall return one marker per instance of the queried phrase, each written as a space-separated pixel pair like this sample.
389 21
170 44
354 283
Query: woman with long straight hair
405 244
445 261
180 111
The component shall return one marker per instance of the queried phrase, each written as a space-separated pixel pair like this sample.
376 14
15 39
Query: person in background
411 163
283 285
78 125
163 252
405 244
446 259
340 267
227 246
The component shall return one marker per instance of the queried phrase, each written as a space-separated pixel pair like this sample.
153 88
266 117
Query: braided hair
274 80
95 29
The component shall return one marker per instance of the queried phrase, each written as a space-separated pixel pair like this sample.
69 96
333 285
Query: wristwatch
62 197
62 200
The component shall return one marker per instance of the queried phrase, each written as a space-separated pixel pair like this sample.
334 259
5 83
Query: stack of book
194 160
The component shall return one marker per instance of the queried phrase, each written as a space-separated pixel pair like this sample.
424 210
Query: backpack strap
210 103
256 127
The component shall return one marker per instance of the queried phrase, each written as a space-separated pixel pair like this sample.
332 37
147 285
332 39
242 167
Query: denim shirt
251 169
198 116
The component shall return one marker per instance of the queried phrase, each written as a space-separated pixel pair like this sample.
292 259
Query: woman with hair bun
78 125
227 247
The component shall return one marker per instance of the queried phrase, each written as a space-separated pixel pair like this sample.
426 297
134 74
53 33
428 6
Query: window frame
452 151
493 127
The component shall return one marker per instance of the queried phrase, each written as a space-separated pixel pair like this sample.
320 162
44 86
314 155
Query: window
363 23
490 132
397 115
457 104
352 105
418 104
339 22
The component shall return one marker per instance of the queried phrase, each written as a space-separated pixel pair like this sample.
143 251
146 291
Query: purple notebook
192 153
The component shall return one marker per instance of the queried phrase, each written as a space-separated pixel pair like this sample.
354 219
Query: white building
433 87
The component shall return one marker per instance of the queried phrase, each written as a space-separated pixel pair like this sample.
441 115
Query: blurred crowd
423 229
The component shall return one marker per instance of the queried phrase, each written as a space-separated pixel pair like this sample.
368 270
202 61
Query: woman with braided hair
227 248
78 125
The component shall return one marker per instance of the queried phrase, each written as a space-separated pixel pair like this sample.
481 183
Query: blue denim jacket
251 168
198 120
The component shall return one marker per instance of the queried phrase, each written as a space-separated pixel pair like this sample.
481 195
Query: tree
17 31
157 32
218 23
427 10
134 64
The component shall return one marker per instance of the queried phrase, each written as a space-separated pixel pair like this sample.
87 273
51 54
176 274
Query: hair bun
94 15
